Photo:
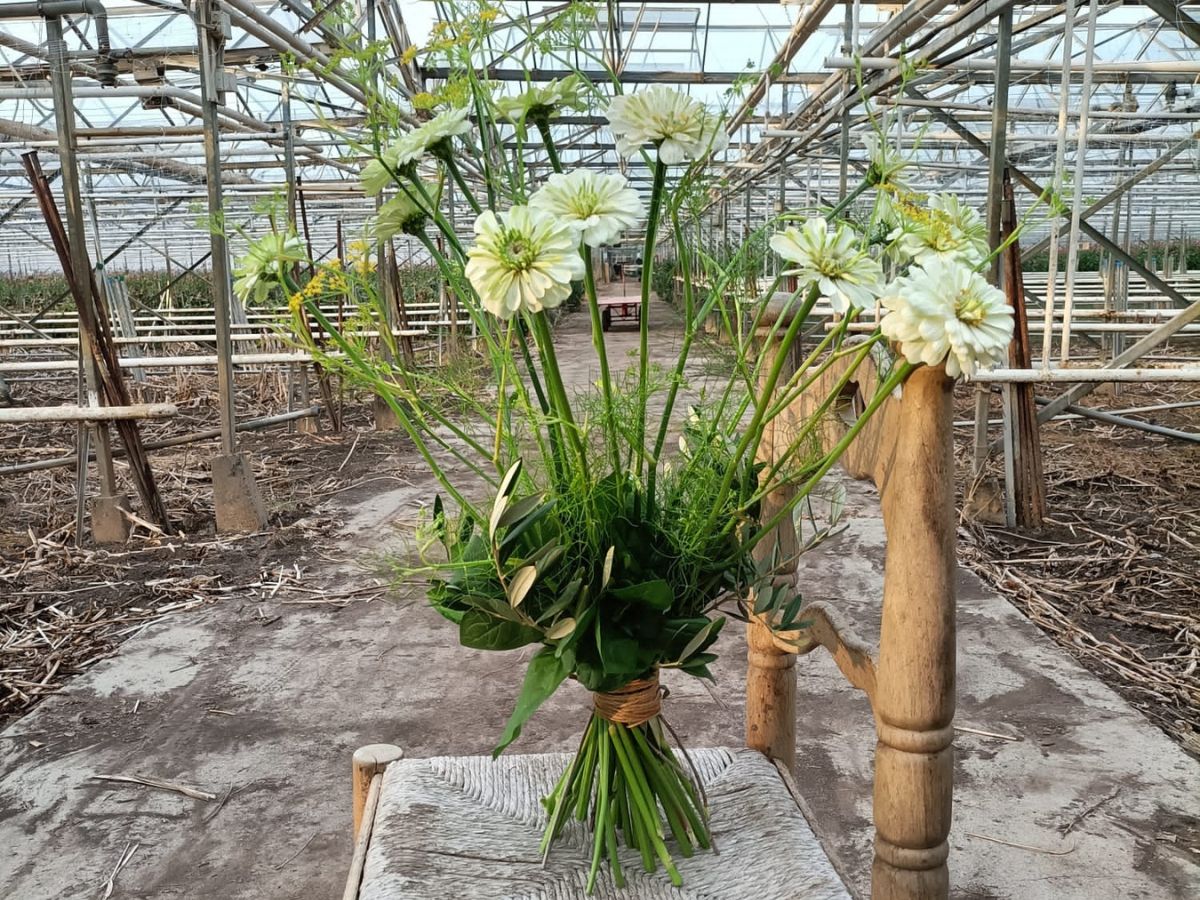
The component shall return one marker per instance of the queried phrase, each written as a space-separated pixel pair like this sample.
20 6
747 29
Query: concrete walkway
262 703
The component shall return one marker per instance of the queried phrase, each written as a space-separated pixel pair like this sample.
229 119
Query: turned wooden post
771 673
914 694
368 762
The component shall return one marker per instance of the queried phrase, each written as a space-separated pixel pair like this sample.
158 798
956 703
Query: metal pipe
1112 419
106 70
1090 376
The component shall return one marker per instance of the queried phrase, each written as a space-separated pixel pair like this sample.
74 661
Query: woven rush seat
468 828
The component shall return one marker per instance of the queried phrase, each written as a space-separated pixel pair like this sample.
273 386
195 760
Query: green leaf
701 636
561 629
520 509
656 594
509 480
439 519
497 511
545 673
520 527
482 631
521 584
562 602
493 606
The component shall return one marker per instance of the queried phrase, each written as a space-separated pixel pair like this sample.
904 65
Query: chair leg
368 762
770 697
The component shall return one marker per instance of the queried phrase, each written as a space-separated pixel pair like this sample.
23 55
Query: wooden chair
907 451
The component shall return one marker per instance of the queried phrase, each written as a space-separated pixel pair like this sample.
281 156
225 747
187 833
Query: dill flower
677 125
599 207
537 104
944 310
523 259
262 267
833 260
947 228
400 215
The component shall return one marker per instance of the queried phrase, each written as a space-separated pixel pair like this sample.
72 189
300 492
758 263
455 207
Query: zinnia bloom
944 310
403 154
833 260
947 229
523 259
262 267
679 126
400 215
599 207
537 103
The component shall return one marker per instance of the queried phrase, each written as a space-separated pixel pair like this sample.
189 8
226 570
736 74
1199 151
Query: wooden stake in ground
1025 483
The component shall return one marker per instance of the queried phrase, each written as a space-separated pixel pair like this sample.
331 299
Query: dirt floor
1113 576
260 662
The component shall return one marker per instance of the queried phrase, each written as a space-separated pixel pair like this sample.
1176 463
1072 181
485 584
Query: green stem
660 177
753 431
598 842
689 334
610 419
452 168
558 391
896 378
548 142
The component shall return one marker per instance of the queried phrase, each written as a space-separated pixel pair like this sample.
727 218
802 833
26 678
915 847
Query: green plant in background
572 524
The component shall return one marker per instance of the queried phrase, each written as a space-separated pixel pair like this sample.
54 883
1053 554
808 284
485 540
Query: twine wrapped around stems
633 704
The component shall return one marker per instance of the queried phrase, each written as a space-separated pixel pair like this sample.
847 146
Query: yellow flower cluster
360 257
329 279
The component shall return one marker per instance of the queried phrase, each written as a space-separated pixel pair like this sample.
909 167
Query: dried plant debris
1114 576
63 607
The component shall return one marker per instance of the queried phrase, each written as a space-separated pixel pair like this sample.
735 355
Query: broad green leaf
520 585
656 594
482 631
545 673
495 607
561 629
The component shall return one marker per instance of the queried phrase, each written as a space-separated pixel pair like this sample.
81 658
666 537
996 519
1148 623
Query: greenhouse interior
800 399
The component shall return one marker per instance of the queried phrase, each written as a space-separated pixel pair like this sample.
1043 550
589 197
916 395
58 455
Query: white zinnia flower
599 207
946 310
537 102
833 260
403 214
679 126
403 154
264 263
522 259
948 229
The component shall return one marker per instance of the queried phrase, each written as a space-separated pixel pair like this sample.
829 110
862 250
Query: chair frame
906 449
